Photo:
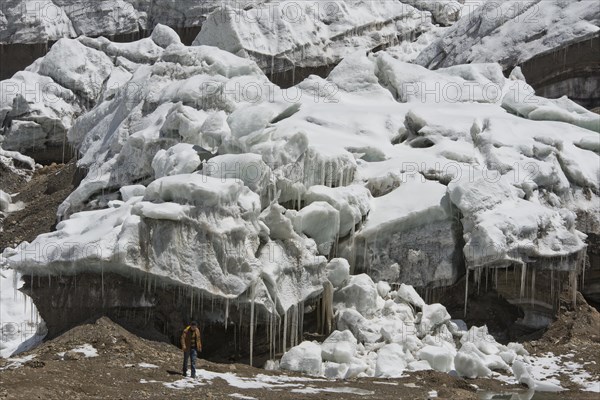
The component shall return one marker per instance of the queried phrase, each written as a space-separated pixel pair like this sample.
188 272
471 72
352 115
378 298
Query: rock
73 356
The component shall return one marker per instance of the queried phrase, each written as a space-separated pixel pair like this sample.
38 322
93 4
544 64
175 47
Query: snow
284 35
511 32
306 357
391 361
338 272
438 357
366 179
339 347
89 351
319 221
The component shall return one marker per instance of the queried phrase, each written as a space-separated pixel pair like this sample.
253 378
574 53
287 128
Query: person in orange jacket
191 344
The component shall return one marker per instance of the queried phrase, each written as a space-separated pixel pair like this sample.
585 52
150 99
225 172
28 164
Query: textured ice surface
285 35
511 32
203 174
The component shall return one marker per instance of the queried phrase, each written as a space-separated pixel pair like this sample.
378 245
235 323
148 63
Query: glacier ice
511 32
204 176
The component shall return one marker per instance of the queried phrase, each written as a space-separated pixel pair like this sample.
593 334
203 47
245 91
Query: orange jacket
188 335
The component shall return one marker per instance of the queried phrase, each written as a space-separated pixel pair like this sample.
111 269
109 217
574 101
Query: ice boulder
338 272
524 376
333 370
409 295
77 67
383 288
352 202
306 358
339 347
279 225
164 36
470 366
5 201
129 192
433 315
391 361
360 293
319 221
182 158
247 168
440 358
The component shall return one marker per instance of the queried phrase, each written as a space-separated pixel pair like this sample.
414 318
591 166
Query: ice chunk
432 316
360 293
471 366
391 361
319 221
5 201
439 358
408 294
523 374
339 347
77 67
180 159
383 288
352 202
164 36
129 192
333 370
306 357
338 272
247 168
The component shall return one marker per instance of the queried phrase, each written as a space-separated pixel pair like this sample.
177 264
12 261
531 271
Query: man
191 345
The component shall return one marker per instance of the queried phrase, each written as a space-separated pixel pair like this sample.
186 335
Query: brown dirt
575 331
112 376
42 195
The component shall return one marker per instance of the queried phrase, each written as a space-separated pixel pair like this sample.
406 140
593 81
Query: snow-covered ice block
471 366
360 293
306 357
352 202
338 272
391 361
408 294
319 221
180 159
432 316
339 347
129 192
439 358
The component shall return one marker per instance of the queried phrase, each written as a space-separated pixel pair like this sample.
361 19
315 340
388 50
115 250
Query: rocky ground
127 367
41 196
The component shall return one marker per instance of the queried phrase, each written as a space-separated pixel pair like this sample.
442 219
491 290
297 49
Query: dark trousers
192 354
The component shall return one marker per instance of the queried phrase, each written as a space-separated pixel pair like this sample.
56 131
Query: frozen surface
511 32
20 324
281 36
202 174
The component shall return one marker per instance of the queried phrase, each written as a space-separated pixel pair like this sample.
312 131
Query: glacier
212 193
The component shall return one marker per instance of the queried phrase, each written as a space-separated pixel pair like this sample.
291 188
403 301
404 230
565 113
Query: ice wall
205 176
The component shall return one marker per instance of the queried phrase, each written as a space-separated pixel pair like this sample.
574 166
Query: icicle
552 286
192 303
496 279
532 285
301 321
523 279
573 283
102 277
226 312
251 324
466 292
327 308
285 323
